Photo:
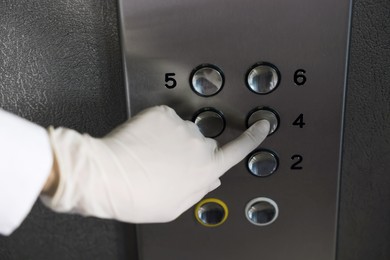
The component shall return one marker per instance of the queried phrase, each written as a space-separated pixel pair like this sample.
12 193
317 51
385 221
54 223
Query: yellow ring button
211 212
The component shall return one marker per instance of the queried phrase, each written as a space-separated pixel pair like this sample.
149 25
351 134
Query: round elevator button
261 211
210 121
207 80
262 163
211 212
263 78
266 113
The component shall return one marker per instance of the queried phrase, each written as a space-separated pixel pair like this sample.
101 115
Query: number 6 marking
300 77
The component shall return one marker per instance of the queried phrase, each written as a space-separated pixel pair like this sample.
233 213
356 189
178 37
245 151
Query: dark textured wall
364 230
60 64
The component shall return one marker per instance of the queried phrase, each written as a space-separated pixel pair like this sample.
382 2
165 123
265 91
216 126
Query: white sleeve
25 163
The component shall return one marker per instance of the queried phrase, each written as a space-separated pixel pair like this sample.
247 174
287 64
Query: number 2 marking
298 160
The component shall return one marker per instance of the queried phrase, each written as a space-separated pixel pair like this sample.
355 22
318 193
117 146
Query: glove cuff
66 144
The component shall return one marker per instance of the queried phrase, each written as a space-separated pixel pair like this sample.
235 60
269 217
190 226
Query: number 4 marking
299 121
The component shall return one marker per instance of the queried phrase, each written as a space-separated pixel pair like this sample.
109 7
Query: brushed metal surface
160 39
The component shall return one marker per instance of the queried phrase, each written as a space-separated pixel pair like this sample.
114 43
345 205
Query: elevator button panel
283 61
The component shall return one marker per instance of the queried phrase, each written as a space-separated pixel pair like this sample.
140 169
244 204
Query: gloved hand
150 169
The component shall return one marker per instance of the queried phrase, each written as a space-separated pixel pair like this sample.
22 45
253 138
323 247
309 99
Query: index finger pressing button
262 113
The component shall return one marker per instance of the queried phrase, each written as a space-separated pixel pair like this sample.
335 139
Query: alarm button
262 113
210 121
207 80
262 163
263 78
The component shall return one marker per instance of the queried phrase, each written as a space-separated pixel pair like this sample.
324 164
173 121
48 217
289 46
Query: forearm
26 161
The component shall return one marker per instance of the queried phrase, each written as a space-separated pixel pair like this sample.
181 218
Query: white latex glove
150 169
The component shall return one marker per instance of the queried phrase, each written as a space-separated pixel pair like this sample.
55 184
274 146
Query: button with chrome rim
262 163
261 211
210 121
207 80
263 78
266 113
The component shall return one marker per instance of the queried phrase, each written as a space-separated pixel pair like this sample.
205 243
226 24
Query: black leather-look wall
60 64
365 190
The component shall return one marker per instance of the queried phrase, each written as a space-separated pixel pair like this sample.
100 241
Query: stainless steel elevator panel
298 50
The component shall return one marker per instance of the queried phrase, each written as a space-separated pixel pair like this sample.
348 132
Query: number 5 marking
170 80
